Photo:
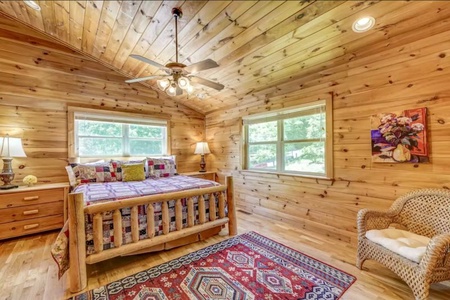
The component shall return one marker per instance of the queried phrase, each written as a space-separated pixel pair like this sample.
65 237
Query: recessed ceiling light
363 24
32 4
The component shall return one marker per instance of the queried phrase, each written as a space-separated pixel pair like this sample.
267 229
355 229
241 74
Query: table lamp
9 147
202 149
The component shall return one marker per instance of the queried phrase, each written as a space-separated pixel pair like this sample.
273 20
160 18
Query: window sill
286 174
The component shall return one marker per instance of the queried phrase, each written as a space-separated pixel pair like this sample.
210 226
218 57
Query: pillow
133 172
161 167
404 243
99 172
117 166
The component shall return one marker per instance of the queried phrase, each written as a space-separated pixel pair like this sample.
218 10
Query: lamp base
202 164
7 174
7 187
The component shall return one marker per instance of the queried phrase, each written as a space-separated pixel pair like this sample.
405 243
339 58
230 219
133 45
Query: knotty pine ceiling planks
264 48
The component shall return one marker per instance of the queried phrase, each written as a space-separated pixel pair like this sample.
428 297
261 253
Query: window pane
145 131
145 147
305 157
305 127
263 156
262 132
100 146
95 128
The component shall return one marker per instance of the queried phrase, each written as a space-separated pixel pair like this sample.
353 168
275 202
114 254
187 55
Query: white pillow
407 244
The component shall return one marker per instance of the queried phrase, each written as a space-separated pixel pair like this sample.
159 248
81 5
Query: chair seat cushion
407 244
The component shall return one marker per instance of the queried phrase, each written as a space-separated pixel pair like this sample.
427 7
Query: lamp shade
11 147
202 148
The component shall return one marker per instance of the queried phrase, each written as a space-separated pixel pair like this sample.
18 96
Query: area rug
245 267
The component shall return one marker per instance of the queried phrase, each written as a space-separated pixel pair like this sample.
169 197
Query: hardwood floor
27 270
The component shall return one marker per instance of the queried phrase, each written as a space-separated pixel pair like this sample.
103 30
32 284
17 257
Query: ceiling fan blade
201 65
149 61
144 78
208 83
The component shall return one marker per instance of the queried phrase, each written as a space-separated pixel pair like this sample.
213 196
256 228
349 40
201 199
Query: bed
111 219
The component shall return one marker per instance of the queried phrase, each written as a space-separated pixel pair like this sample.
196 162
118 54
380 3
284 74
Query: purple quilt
111 191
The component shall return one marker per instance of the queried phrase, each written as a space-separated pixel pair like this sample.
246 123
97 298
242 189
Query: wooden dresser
210 175
27 210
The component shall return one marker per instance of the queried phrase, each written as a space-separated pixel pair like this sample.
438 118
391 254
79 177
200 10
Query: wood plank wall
401 71
39 79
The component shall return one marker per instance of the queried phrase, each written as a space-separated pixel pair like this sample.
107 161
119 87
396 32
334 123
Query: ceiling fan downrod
177 13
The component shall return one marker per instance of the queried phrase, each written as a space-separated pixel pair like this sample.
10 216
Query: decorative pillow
161 167
100 172
133 172
117 166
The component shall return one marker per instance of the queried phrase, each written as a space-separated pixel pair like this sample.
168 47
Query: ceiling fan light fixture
190 89
163 84
183 82
172 90
363 24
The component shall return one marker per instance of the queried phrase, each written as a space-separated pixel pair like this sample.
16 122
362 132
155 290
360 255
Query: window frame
279 116
125 119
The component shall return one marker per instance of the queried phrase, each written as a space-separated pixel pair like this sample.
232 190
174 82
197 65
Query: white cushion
407 244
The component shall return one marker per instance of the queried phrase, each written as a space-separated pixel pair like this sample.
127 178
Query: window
106 135
293 140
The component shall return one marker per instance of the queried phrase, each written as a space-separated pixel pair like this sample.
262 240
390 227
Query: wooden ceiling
262 47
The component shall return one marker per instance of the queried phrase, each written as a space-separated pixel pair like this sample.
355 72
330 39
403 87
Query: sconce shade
11 147
202 148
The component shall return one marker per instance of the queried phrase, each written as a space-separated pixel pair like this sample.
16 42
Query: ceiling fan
179 76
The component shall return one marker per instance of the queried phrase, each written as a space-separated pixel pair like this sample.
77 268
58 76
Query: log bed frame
77 236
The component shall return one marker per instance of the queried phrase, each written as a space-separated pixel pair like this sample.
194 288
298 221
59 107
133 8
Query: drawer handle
30 198
31 226
30 212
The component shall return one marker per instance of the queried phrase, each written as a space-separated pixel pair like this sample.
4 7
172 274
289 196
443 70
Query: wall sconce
9 147
202 149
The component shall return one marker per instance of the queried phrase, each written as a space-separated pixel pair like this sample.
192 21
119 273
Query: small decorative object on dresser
9 147
202 149
28 210
30 180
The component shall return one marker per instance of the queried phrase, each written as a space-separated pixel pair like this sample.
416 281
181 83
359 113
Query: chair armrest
437 254
373 219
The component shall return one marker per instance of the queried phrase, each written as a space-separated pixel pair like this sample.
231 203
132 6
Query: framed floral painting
400 137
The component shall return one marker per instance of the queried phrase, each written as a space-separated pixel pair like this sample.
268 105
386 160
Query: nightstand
26 210
210 175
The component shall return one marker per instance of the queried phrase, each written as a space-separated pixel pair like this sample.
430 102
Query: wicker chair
425 212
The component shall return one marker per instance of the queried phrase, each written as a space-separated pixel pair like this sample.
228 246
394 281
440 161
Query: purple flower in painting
399 130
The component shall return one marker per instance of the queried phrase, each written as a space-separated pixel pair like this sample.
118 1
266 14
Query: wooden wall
402 69
39 79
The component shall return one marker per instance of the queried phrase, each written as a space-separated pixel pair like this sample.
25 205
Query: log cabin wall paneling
272 54
401 69
39 79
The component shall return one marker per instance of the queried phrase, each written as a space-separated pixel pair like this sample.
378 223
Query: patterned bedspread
111 191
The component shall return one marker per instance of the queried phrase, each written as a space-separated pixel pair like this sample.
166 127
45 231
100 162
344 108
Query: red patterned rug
249 266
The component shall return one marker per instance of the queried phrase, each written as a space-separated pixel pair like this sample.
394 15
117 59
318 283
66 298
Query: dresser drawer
31 211
31 197
18 228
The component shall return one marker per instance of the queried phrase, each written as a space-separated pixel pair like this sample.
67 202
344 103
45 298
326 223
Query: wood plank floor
27 270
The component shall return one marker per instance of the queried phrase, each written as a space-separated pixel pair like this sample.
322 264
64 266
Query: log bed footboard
77 233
